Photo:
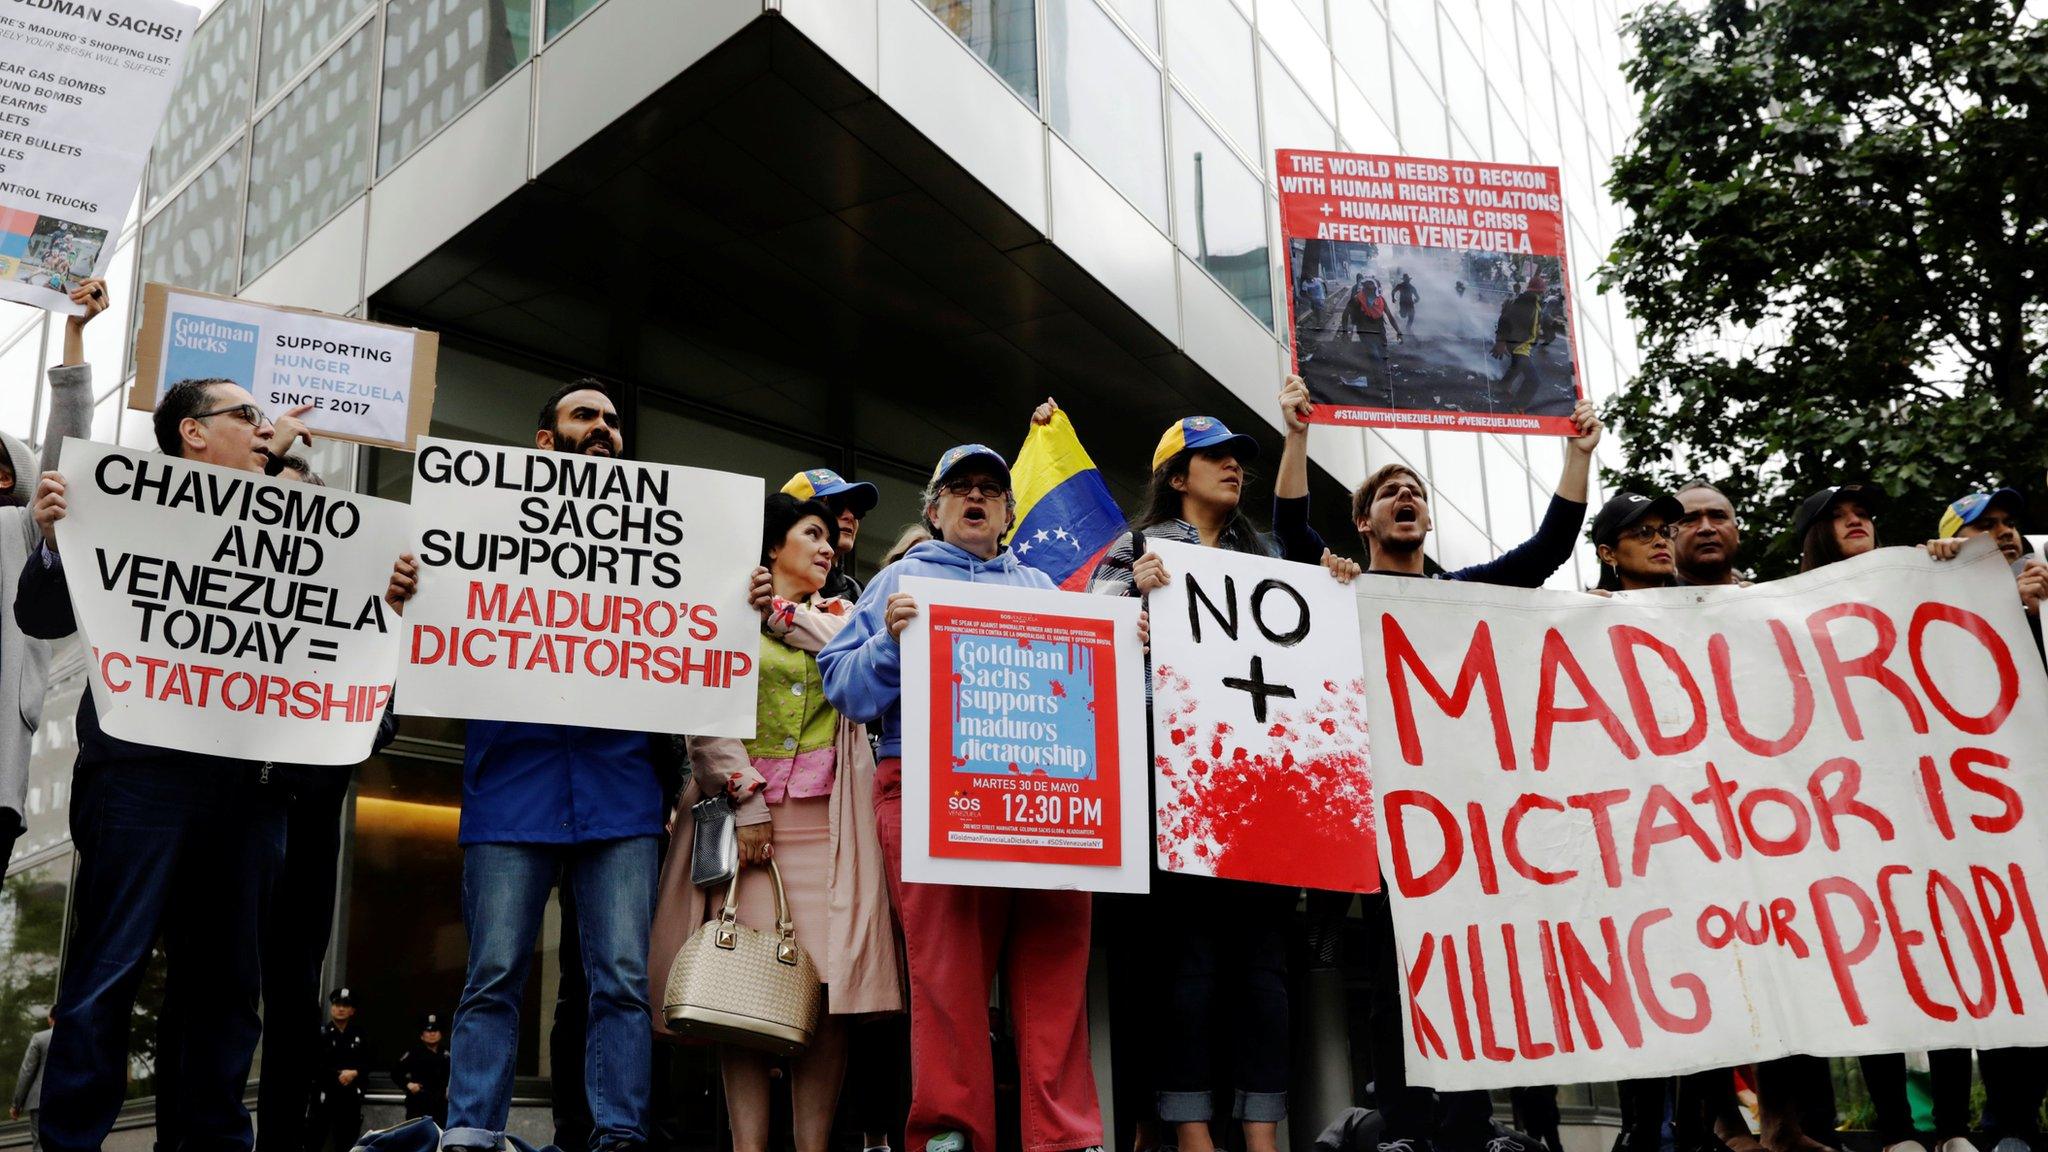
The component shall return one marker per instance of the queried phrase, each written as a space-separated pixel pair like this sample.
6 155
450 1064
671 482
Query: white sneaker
1906 1146
2011 1144
1956 1144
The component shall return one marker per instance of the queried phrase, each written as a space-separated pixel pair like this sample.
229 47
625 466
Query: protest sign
561 588
370 383
82 89
1258 722
230 613
1023 739
1694 828
1429 293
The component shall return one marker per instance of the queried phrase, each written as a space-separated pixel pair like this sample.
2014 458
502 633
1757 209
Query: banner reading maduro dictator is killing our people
570 589
1023 739
229 613
1696 828
1430 293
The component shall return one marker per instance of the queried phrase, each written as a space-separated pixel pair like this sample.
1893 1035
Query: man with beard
1391 513
542 801
1709 542
25 661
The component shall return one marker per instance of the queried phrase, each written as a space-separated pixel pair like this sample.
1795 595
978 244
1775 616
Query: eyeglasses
248 412
989 490
1644 533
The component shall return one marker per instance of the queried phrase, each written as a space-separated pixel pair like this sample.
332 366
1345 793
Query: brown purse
740 985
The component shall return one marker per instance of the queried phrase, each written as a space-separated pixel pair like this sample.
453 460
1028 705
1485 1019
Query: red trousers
957 940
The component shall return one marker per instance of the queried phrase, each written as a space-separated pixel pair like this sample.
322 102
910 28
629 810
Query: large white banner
569 589
1258 722
83 86
227 612
1023 739
371 383
1694 828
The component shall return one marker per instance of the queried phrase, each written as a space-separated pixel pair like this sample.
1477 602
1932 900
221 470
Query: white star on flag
1039 536
1059 533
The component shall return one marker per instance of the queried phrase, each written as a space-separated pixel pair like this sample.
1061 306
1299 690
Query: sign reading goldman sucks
562 588
1697 828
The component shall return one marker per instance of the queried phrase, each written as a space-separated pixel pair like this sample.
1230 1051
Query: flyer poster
1430 294
82 90
1032 769
1024 721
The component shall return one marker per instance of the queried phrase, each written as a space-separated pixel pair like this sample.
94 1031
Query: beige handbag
740 985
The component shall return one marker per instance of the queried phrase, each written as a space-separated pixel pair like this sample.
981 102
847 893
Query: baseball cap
1625 508
431 1022
1201 432
1964 511
962 455
1823 502
342 997
819 483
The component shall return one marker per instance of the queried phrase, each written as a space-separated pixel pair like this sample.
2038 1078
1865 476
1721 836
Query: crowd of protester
230 866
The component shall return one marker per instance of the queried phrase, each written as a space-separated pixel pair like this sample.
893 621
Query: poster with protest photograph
1260 758
1696 828
83 87
1429 294
230 613
1023 739
366 382
561 588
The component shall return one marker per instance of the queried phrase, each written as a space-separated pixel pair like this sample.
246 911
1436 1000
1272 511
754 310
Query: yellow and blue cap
1203 432
820 483
961 455
1964 512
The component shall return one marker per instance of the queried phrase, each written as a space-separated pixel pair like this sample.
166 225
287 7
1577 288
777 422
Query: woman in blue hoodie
957 938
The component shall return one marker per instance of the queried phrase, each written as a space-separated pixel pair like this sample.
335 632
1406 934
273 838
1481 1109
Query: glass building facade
317 149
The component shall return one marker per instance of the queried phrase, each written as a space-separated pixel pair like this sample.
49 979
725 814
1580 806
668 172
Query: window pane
1104 98
191 243
1220 212
1415 26
1209 50
295 32
439 57
1291 118
211 100
1004 33
1313 9
31 932
312 154
1358 33
1143 19
562 13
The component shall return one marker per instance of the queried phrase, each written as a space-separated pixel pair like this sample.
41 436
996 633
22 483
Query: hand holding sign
50 506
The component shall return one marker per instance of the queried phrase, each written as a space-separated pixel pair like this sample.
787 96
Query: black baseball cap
1625 508
1823 502
431 1022
342 998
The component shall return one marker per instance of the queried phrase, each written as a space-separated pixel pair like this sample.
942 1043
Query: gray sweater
25 661
28 1087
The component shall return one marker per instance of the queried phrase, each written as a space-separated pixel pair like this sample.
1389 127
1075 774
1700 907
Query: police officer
336 1116
423 1073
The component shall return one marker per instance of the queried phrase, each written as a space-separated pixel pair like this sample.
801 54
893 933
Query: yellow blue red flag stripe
1066 518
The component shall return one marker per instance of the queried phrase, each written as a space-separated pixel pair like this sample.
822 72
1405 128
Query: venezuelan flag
1066 518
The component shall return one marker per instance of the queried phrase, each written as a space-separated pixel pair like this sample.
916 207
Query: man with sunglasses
171 843
849 502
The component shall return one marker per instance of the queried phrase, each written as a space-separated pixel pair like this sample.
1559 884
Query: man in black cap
423 1073
1632 537
336 1116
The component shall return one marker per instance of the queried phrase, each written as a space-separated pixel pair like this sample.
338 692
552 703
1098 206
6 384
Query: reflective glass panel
1313 9
562 13
1209 50
1291 118
1104 98
212 98
312 154
295 32
1143 18
191 243
31 933
1358 34
1220 212
439 57
1004 33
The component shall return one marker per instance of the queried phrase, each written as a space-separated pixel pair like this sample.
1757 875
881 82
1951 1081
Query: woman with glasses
1221 939
1632 536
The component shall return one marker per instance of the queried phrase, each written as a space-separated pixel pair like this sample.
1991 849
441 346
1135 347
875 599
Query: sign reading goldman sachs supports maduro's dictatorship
561 588
227 612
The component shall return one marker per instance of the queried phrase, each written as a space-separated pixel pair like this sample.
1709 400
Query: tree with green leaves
1837 255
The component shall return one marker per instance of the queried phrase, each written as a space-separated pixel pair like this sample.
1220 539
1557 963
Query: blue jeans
191 852
504 892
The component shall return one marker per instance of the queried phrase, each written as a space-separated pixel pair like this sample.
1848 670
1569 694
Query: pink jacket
859 960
